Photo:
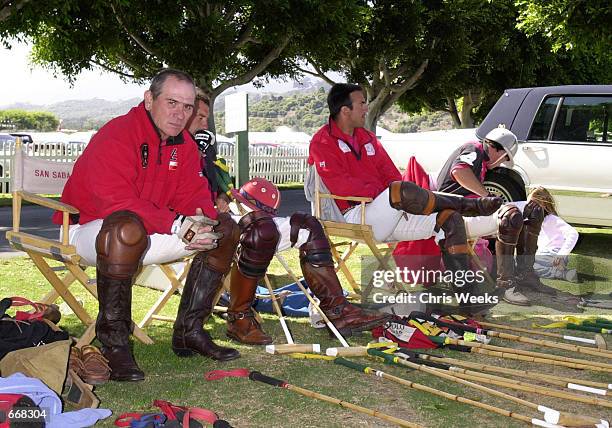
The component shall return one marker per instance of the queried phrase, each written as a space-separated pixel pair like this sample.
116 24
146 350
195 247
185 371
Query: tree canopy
502 56
28 120
221 43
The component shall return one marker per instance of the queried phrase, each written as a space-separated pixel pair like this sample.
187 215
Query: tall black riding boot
407 196
120 244
203 283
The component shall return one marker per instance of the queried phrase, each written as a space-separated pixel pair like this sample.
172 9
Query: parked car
565 145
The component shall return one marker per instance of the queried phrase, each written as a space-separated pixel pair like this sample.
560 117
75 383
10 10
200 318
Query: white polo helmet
507 140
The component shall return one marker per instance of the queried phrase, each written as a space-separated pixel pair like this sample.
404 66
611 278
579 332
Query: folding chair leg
61 288
344 268
175 284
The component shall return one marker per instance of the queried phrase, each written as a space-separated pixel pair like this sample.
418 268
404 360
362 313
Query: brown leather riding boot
407 196
203 283
241 323
114 325
189 337
526 248
318 270
506 278
347 318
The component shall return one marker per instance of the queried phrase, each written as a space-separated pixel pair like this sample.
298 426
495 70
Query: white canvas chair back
31 178
322 208
31 174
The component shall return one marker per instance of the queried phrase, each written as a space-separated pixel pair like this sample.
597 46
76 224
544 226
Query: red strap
39 308
168 409
199 414
220 374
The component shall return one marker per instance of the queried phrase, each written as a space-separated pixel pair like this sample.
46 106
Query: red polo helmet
259 194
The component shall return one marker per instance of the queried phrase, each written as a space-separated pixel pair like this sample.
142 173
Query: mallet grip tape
350 364
258 376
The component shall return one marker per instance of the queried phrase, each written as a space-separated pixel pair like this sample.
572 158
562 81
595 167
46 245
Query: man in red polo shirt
138 188
352 162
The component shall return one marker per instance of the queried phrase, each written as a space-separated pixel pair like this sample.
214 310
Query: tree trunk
471 98
452 110
211 114
372 119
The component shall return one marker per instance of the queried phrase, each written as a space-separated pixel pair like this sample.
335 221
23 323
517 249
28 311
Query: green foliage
28 120
503 56
571 25
221 44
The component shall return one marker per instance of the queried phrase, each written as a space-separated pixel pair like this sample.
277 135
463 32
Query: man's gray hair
158 80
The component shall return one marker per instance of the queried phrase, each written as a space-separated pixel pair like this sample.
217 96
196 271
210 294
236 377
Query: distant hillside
303 109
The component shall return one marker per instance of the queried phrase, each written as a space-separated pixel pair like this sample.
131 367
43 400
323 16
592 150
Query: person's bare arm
466 178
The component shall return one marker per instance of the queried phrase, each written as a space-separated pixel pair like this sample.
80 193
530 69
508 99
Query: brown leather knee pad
533 215
257 243
509 224
120 244
302 220
407 196
455 236
220 258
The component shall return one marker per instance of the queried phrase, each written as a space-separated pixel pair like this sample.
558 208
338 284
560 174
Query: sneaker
571 275
512 296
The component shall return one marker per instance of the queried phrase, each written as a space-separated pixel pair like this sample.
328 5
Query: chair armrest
47 202
346 198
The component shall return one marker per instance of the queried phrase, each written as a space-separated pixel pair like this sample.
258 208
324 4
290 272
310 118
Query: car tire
503 185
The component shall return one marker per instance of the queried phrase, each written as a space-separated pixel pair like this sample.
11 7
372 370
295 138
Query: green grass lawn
247 404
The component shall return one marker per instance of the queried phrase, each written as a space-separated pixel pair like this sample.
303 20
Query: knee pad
533 215
257 243
509 224
301 220
220 258
455 236
120 244
407 196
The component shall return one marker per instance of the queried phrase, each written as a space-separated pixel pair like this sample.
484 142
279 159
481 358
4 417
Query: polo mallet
550 415
598 388
402 357
291 346
598 339
516 338
257 376
419 387
314 304
532 356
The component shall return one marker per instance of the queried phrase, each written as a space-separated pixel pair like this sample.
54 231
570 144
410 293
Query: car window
584 119
543 120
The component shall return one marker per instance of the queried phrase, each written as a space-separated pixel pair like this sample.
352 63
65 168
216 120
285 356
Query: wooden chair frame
357 234
41 249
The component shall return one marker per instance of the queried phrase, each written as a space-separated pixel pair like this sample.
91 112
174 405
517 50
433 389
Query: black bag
16 335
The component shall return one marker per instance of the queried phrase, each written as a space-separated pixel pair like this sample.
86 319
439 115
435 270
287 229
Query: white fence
61 152
279 164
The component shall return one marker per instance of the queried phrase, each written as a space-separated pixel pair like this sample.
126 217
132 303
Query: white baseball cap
507 140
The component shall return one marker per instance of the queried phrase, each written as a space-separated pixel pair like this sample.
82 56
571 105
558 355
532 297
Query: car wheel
504 186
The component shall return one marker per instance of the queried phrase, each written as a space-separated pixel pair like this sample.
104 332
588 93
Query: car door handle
533 148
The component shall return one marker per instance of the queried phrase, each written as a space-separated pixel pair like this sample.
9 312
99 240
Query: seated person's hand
197 231
222 203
